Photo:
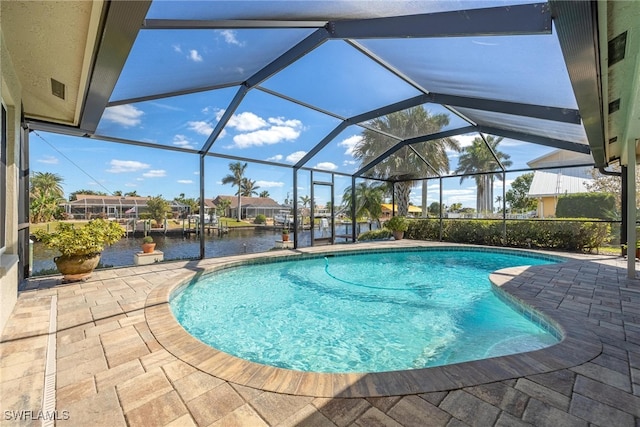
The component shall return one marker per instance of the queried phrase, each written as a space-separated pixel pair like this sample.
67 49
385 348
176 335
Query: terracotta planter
75 268
285 237
398 235
148 248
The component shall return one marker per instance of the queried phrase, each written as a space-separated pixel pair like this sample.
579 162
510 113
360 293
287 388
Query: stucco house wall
10 96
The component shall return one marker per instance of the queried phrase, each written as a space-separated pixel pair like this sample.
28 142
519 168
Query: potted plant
637 253
80 247
285 234
148 245
398 225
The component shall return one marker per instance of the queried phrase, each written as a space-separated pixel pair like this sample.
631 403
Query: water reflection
176 246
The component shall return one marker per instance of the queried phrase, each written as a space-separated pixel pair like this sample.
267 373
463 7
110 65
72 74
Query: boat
283 217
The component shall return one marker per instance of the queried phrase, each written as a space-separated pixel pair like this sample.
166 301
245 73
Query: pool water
361 313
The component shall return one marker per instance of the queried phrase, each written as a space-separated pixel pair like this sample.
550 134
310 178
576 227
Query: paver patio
92 352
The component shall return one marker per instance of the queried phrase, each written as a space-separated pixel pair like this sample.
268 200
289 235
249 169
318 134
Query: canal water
177 246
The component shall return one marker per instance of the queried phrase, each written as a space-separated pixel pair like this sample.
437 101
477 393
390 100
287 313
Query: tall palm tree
305 200
45 194
478 158
368 202
47 183
235 179
405 165
248 187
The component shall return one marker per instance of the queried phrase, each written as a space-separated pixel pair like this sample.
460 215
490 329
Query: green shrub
567 234
397 223
260 219
381 234
88 239
586 205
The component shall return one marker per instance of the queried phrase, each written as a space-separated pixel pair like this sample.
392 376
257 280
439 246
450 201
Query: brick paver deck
103 352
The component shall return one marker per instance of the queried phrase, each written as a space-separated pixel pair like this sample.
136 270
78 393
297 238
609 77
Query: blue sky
335 77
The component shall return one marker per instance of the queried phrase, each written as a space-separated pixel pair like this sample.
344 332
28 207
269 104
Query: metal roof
558 182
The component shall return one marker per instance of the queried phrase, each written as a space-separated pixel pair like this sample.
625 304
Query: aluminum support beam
121 27
564 115
234 24
201 225
228 113
537 139
430 137
496 21
576 25
298 51
493 153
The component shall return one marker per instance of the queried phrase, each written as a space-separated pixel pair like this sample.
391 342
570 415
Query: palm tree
405 165
47 183
222 206
478 158
235 179
369 200
45 195
305 200
263 193
248 187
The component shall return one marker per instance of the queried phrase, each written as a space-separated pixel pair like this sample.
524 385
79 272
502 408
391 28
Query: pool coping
578 344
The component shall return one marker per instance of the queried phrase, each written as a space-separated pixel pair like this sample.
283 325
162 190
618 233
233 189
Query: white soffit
52 40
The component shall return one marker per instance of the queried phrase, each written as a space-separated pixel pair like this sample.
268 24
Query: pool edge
577 346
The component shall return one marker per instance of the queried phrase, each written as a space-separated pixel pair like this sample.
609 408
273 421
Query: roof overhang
52 46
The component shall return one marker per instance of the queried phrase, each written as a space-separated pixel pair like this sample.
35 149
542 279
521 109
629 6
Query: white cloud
273 135
275 158
125 115
497 184
295 156
201 127
350 143
155 173
281 121
182 141
139 179
466 140
128 184
184 181
121 166
49 160
269 184
465 196
219 112
230 37
177 48
195 56
245 122
256 131
349 163
326 166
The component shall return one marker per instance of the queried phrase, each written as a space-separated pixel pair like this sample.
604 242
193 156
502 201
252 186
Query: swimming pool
372 312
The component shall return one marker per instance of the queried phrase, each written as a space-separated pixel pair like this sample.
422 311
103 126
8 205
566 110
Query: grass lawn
172 224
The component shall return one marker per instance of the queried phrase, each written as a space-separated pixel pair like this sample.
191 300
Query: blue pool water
361 313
